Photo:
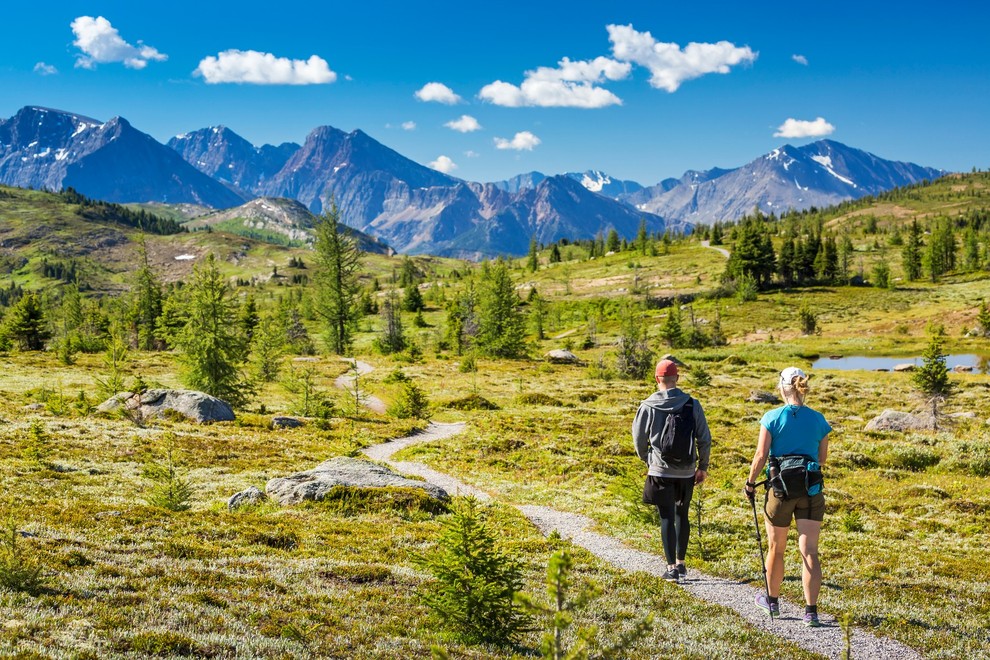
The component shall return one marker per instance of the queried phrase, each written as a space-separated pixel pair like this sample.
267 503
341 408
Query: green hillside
903 544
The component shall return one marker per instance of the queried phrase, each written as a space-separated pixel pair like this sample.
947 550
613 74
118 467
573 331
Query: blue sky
552 87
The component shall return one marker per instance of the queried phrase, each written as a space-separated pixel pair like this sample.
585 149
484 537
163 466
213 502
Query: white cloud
43 69
522 141
409 126
437 92
797 128
669 64
101 43
572 84
443 164
470 153
465 124
256 68
800 59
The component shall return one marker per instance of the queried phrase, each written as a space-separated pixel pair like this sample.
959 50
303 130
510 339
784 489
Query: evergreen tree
475 580
408 274
532 263
212 346
392 338
672 330
881 273
633 359
148 301
412 299
716 238
172 319
25 324
846 250
940 255
538 313
983 319
971 249
462 321
932 377
268 343
501 326
643 238
753 255
612 242
785 262
337 259
555 254
911 257
248 318
67 318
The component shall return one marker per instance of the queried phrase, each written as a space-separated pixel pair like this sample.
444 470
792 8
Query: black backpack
677 438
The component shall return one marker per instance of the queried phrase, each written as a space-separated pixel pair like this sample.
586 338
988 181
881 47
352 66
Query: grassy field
903 545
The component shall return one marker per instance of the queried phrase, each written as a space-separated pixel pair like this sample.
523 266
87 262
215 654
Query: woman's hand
750 490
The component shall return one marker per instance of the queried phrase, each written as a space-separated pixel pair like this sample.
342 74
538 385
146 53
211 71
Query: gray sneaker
682 571
764 604
672 575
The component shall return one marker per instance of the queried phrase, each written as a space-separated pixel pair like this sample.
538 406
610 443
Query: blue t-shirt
795 430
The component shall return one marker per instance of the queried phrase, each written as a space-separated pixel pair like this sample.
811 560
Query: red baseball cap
666 369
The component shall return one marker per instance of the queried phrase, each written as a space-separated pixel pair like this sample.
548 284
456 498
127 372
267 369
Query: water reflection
978 363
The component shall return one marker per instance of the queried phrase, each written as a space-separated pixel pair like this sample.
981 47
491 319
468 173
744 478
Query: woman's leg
776 543
811 575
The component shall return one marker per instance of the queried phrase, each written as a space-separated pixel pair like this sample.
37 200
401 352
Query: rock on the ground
894 420
280 422
252 495
906 366
962 368
763 397
342 471
196 406
561 356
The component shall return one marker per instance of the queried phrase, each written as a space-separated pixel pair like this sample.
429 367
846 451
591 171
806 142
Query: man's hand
700 476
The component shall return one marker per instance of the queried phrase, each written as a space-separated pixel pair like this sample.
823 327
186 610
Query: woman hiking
794 440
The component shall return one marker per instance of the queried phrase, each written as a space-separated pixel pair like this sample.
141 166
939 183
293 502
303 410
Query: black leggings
675 528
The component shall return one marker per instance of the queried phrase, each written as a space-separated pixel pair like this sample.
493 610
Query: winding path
827 640
708 244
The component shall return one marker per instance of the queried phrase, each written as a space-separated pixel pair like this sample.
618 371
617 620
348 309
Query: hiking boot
764 604
672 575
682 571
811 620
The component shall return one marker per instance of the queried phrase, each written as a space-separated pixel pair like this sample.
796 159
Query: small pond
979 363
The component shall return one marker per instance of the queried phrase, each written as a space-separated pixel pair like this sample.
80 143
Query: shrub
19 570
354 501
852 521
468 364
475 580
808 321
539 399
169 489
411 402
915 459
471 402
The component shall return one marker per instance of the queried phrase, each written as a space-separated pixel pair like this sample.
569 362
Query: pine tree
248 317
672 330
412 299
148 301
555 254
392 338
337 259
643 238
532 263
911 257
932 377
983 319
612 243
268 343
501 326
25 324
476 581
211 344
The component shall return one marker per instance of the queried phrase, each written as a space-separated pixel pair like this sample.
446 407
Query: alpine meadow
118 539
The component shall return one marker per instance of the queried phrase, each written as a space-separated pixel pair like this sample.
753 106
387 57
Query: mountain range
411 207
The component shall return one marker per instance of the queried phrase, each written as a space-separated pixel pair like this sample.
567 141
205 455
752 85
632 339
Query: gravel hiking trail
828 641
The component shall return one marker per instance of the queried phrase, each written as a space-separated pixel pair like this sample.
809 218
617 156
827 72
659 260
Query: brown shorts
780 512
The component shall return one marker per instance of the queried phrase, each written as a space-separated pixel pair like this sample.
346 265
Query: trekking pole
759 543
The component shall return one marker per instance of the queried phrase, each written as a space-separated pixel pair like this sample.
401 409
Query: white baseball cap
788 374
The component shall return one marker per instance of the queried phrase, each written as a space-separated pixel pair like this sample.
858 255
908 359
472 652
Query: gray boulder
894 420
252 495
906 366
561 356
342 471
196 406
281 422
763 397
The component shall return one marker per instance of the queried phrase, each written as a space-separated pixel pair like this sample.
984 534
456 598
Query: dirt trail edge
827 640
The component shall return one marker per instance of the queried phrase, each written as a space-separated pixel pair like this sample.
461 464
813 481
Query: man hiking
671 436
